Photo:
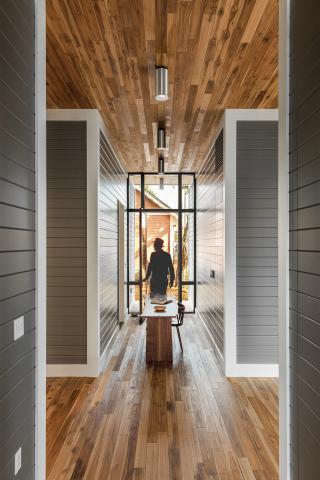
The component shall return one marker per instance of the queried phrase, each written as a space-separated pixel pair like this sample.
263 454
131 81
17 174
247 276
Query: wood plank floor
156 423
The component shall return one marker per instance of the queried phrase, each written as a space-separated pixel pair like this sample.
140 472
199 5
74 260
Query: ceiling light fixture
161 166
161 84
161 139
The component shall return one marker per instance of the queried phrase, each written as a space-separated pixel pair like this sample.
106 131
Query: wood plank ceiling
220 54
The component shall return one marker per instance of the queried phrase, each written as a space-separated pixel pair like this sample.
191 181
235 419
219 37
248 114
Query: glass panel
188 297
187 232
144 250
161 194
134 253
134 191
134 307
187 191
163 225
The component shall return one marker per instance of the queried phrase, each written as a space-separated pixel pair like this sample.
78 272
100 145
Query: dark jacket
159 267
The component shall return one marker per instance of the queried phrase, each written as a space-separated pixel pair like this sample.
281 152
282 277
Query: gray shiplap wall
210 247
113 188
17 237
257 242
66 242
305 240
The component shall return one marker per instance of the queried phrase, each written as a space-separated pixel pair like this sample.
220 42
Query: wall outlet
17 461
18 327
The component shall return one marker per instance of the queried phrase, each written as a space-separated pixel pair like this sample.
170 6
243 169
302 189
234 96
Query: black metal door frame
179 212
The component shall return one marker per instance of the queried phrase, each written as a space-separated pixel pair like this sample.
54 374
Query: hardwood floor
185 422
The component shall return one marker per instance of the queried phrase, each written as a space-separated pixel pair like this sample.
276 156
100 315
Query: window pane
134 191
134 253
163 225
187 232
161 191
188 297
187 194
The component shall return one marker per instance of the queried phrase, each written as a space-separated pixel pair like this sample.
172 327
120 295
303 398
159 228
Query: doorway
161 206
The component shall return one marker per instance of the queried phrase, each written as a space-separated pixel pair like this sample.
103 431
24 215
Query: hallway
138 422
194 124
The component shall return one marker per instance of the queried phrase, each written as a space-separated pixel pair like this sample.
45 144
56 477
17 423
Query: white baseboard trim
69 371
253 370
216 348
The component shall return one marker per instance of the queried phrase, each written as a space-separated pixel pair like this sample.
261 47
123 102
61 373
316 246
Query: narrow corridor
139 422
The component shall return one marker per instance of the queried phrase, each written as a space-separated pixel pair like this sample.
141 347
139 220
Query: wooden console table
159 331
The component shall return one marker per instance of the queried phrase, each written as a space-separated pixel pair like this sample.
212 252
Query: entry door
161 206
177 230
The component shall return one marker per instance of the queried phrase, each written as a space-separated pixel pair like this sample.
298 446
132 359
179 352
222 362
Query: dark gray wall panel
66 242
17 238
210 241
113 188
305 240
257 242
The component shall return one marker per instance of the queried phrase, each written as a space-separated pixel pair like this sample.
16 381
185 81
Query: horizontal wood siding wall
17 237
210 248
113 188
257 242
67 242
305 239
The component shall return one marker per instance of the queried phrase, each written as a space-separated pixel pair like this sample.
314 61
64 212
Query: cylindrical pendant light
161 139
161 166
161 183
161 84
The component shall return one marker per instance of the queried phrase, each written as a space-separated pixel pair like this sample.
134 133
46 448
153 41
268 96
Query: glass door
164 207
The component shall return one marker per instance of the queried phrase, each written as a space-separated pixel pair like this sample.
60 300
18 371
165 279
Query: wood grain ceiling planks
220 54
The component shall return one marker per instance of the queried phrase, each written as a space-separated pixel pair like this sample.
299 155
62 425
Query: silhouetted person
159 267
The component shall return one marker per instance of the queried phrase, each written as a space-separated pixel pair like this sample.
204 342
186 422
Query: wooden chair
179 322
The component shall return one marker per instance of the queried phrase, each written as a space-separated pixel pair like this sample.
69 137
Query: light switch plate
18 328
17 461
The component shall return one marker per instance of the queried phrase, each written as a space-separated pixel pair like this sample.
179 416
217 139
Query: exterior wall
257 242
113 189
17 238
66 242
157 226
304 157
210 248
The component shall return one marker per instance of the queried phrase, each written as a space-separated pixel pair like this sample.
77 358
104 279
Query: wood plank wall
17 238
257 242
210 241
66 242
220 54
305 239
113 189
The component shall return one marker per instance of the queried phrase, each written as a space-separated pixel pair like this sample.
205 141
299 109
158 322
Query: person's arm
171 271
149 269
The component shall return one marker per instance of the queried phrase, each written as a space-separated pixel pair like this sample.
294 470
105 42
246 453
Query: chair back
181 310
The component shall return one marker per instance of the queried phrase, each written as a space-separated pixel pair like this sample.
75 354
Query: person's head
158 244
